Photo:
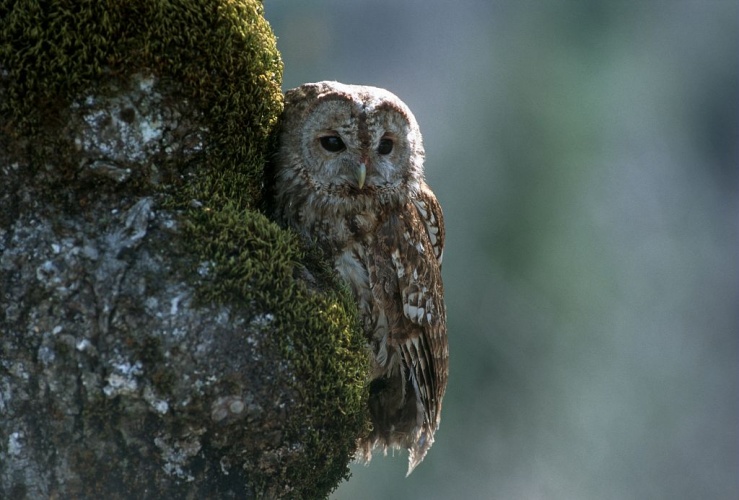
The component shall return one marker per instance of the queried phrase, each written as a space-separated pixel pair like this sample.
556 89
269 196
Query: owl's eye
386 145
332 143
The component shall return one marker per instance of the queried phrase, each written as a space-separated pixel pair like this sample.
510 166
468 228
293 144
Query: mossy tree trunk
159 337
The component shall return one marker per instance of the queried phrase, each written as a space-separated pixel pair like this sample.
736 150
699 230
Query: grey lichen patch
176 455
121 126
123 379
130 125
235 407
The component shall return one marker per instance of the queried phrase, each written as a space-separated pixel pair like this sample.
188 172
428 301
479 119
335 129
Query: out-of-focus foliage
585 154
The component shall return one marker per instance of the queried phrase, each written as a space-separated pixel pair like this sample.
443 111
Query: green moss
320 337
221 56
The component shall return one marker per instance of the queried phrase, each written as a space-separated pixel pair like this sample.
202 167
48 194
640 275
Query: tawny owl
349 178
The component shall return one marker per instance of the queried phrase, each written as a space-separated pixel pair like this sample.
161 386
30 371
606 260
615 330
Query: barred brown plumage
349 177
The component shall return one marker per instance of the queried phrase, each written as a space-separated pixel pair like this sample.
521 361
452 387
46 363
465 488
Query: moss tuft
320 337
221 54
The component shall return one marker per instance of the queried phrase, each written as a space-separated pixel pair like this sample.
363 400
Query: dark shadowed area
585 154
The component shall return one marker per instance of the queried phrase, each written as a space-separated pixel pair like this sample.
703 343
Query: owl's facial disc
359 147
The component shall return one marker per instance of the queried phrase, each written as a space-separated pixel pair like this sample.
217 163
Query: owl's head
348 144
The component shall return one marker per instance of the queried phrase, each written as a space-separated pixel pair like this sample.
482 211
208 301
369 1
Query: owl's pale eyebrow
390 106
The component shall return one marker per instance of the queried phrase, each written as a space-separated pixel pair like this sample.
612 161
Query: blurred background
585 155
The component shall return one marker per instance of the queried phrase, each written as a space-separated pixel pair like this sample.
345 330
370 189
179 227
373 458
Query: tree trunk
159 337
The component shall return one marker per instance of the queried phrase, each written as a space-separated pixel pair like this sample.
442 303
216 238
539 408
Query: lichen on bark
159 336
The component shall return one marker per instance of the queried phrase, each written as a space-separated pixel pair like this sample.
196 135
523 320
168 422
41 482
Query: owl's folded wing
410 289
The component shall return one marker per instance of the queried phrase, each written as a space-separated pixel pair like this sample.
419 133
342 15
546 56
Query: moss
257 261
222 54
221 58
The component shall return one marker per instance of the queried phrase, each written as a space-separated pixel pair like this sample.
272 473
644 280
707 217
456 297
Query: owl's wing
422 295
410 290
430 212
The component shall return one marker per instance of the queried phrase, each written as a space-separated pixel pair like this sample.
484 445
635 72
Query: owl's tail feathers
417 451
398 422
417 448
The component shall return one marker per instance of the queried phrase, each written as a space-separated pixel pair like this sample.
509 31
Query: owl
348 177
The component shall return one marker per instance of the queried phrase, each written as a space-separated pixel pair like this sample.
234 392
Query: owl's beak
361 174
